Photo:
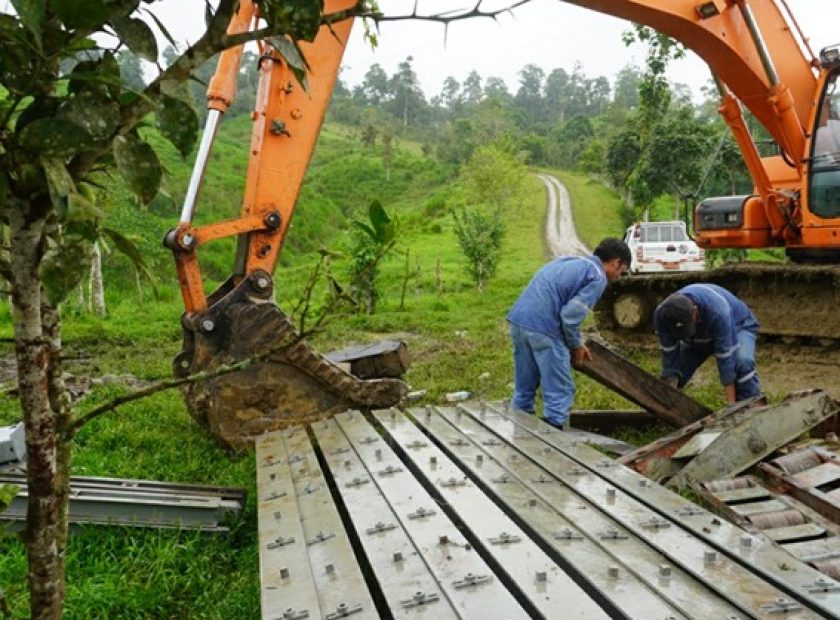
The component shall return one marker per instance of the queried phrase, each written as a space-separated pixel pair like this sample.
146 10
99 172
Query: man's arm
722 329
670 348
576 309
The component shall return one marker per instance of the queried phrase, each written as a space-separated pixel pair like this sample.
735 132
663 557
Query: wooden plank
754 508
819 475
386 358
794 532
815 550
606 420
742 495
748 442
642 388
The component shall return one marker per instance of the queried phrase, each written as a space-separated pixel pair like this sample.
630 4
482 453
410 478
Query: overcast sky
548 33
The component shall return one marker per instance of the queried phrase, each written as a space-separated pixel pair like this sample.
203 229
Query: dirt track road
560 233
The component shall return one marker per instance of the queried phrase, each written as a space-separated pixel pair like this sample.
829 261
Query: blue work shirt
720 316
559 297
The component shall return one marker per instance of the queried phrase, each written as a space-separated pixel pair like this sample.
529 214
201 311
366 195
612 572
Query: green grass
458 338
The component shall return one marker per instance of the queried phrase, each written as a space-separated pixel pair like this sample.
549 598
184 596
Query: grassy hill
458 338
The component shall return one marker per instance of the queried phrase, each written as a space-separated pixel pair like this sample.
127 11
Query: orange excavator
761 62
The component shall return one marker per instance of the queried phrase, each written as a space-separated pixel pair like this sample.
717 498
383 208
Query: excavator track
794 303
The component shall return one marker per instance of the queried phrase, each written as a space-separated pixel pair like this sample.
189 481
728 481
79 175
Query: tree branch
168 384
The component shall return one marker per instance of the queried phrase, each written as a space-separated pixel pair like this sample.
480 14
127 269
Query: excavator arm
291 383
756 53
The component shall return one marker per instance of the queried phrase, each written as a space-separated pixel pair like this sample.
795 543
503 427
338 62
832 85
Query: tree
626 91
407 98
369 243
529 97
471 89
480 237
493 176
58 134
450 96
495 89
374 89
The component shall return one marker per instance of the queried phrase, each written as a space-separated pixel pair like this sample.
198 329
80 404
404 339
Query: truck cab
658 247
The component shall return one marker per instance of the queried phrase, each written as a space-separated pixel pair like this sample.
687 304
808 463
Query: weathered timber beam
642 388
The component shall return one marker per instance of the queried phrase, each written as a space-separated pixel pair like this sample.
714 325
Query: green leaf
3 186
302 18
93 112
56 137
82 209
162 28
31 14
126 246
80 13
178 123
60 183
63 266
377 215
293 55
137 36
7 494
139 166
366 229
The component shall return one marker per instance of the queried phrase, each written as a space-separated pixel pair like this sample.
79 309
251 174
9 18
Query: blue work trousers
541 360
747 385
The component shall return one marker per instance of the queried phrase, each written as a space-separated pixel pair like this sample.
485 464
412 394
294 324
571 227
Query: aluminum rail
640 580
137 503
338 577
465 578
804 590
407 585
546 586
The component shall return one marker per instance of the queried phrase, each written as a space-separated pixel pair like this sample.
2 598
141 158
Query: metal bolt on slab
613 572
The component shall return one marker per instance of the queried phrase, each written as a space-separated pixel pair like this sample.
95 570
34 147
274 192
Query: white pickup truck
662 246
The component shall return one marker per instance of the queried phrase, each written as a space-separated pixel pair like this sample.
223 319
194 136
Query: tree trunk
32 352
60 404
97 288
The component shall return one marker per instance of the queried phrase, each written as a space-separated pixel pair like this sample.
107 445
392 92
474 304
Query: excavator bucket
276 379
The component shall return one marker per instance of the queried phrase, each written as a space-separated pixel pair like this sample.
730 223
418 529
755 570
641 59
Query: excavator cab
824 158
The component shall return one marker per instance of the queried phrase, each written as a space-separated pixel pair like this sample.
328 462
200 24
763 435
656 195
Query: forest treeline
644 136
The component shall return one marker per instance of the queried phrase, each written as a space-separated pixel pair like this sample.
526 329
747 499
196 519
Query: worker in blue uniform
701 320
545 326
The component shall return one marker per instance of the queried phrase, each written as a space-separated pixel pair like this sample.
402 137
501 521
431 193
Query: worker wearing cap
545 326
701 320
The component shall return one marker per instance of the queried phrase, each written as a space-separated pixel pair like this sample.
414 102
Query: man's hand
579 355
730 393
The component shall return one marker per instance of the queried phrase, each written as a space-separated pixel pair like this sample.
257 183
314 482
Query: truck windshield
824 186
662 232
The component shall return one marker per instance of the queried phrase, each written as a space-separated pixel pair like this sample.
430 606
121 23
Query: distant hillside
344 176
